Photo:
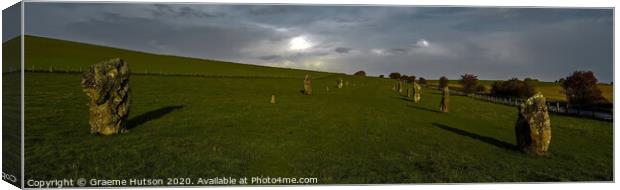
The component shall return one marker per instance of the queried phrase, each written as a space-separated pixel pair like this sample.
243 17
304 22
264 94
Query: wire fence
79 70
557 107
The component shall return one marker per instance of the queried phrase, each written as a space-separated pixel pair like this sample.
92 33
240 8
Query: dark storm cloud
342 50
270 57
494 43
398 50
167 10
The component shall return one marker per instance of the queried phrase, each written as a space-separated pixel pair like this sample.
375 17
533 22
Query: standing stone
397 87
107 86
340 83
409 93
417 90
400 86
533 128
445 100
273 99
307 85
394 88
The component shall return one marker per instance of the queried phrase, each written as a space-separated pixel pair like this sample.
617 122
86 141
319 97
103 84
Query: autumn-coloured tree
581 90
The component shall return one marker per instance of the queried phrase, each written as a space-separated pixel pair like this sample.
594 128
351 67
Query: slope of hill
43 53
11 54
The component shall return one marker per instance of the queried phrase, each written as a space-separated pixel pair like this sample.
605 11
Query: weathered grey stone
107 86
409 93
307 85
417 90
340 83
533 128
445 100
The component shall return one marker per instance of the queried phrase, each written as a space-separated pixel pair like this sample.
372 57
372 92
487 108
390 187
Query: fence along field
556 100
226 126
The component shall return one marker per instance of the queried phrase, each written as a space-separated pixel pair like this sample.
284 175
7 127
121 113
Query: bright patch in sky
299 43
423 43
378 51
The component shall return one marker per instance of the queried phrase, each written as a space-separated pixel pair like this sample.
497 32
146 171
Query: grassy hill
183 126
11 54
66 55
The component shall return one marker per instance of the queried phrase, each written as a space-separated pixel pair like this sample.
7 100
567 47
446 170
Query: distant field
555 91
550 90
225 126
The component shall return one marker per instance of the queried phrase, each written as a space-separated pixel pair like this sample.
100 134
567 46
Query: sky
490 42
11 18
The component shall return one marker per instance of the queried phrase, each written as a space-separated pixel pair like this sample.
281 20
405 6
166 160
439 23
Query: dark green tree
443 82
422 80
395 75
469 83
360 73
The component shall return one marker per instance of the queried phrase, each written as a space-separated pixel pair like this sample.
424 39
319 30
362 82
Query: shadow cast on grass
485 139
405 98
426 109
151 115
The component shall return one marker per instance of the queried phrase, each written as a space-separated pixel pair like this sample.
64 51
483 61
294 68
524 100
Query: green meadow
222 124
551 90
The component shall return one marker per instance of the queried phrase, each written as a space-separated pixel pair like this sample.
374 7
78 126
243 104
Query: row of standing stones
308 86
107 86
533 126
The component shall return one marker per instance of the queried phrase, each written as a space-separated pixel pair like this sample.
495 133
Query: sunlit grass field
551 90
182 126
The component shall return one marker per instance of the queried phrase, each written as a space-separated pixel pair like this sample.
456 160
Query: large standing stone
400 86
107 86
533 128
340 83
307 85
417 90
445 100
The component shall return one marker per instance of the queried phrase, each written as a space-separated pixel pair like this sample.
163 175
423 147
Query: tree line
580 87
